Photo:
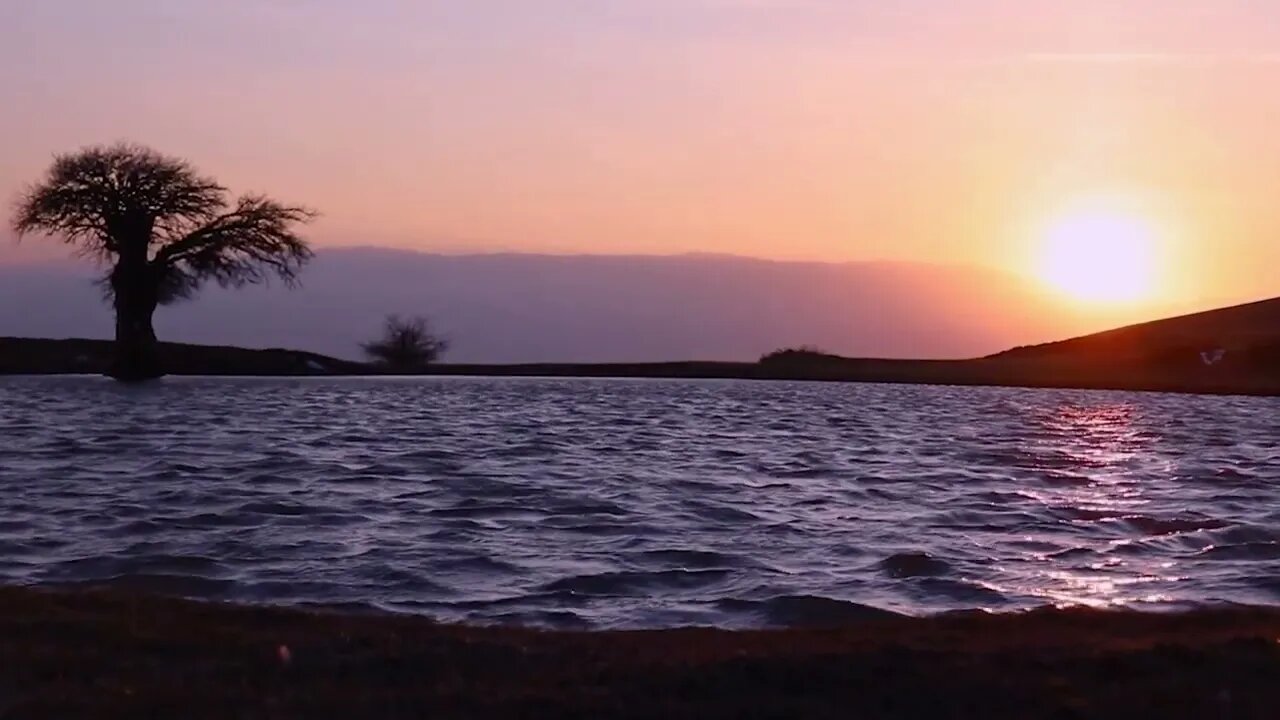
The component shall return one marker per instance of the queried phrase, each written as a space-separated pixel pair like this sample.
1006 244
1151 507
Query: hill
1229 350
1248 337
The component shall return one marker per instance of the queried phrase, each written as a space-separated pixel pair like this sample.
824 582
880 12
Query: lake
639 503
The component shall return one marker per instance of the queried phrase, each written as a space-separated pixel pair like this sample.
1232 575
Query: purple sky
834 130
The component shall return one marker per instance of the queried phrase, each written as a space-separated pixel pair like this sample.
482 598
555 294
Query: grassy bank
1255 371
39 356
100 654
992 372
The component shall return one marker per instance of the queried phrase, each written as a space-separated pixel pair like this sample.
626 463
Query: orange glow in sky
836 130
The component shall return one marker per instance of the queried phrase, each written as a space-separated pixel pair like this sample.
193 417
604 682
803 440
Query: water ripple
619 503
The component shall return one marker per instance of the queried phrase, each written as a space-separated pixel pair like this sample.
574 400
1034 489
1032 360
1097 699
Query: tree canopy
127 203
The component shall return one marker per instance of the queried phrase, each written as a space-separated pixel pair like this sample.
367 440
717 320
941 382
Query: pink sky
833 130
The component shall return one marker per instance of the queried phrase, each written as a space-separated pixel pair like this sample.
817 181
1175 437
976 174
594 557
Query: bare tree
406 343
163 230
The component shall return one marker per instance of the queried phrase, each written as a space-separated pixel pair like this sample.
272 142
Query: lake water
639 503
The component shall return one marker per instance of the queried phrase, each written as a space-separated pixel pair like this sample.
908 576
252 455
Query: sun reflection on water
1087 466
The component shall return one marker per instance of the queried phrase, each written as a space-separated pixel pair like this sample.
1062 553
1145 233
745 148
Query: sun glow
1099 254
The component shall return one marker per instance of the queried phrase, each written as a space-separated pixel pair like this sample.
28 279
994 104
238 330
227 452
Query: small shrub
795 354
406 343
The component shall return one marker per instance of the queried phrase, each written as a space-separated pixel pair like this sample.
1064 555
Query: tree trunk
137 355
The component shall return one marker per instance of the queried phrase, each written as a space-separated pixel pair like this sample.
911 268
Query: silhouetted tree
163 230
406 343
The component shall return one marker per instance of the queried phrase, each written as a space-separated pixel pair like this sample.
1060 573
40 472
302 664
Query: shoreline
105 653
943 373
606 372
27 356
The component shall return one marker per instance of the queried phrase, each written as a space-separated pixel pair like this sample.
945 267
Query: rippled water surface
620 503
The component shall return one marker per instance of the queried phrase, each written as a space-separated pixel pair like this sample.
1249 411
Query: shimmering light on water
623 503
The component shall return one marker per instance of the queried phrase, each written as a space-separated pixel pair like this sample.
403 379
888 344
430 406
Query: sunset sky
970 131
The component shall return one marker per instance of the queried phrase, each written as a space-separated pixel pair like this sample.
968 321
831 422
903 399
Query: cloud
1153 58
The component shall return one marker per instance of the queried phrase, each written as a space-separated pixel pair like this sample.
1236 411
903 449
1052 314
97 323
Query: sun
1099 254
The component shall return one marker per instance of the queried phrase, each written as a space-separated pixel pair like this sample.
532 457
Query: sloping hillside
1248 337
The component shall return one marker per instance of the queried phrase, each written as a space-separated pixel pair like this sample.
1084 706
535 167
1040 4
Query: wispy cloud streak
1153 58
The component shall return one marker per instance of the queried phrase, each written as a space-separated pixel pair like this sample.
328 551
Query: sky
836 130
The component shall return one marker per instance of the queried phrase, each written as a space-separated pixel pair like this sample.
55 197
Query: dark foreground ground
95 654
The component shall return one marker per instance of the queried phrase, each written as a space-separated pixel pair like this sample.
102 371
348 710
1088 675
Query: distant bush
793 355
406 343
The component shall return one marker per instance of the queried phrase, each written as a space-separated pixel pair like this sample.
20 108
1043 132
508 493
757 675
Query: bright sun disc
1099 255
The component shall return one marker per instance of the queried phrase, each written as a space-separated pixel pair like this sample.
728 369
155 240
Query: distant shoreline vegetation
1248 371
793 356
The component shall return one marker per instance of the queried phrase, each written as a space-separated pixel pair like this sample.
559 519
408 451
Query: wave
790 611
696 559
628 583
914 564
627 504
1242 551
